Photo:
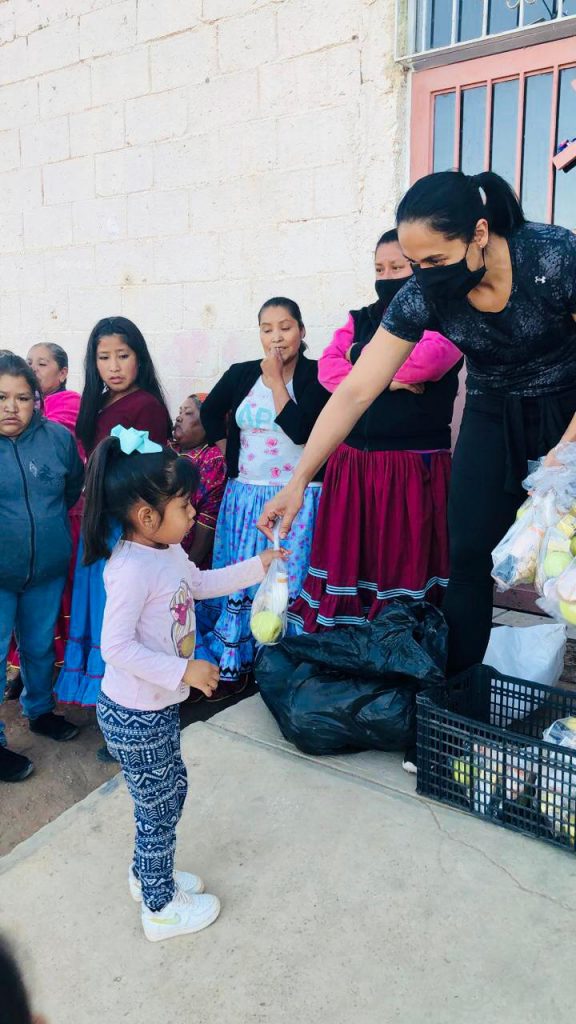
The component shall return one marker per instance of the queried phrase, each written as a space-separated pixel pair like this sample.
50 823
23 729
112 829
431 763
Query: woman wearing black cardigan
267 410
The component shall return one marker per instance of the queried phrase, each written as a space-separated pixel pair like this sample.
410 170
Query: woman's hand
285 506
398 385
552 460
268 556
202 675
272 367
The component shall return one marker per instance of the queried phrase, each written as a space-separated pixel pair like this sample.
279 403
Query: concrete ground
346 898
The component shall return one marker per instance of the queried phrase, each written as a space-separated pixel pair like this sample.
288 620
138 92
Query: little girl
41 475
148 644
121 386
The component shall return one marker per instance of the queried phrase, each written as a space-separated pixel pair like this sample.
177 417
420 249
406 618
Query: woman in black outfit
504 291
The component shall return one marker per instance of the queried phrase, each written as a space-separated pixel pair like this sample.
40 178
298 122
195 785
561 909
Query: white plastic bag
518 558
533 653
269 614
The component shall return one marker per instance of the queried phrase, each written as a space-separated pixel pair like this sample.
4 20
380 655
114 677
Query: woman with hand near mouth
267 409
121 388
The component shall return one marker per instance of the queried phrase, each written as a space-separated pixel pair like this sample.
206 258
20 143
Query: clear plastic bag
559 596
555 553
269 614
522 556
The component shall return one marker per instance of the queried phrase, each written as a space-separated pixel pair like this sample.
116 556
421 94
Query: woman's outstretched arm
371 375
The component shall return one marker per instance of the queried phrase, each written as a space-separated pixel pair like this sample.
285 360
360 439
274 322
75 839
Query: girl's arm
217 405
333 366
378 364
219 582
126 595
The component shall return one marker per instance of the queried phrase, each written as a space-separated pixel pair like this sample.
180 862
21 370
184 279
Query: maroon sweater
139 410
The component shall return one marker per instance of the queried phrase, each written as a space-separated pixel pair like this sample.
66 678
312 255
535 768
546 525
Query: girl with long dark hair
121 387
504 291
149 643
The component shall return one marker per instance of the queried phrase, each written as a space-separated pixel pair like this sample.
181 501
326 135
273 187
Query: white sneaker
185 881
186 913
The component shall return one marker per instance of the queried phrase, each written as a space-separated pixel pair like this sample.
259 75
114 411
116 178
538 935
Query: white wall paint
180 161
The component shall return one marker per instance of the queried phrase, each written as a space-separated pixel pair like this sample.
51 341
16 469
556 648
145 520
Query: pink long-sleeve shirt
431 358
149 628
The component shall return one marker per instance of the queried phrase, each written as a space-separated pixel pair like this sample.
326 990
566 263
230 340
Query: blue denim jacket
41 476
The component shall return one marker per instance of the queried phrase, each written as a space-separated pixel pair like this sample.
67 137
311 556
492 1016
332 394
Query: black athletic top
527 349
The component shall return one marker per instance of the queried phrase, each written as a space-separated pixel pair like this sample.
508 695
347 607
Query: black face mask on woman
453 281
387 288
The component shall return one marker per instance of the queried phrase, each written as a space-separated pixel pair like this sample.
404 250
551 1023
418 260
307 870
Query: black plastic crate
480 749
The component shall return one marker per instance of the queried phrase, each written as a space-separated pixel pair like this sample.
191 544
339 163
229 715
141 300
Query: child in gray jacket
42 476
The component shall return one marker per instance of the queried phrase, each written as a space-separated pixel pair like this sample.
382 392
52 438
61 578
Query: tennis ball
567 610
522 510
461 772
555 563
266 627
573 546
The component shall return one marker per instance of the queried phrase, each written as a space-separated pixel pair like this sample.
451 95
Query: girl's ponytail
96 523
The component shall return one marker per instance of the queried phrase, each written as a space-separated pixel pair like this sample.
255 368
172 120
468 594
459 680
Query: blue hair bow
132 440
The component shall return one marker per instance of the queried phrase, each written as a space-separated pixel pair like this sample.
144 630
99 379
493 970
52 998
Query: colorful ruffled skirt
382 532
225 622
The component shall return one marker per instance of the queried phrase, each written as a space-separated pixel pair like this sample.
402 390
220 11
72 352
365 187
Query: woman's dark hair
115 482
14 366
386 238
292 307
93 394
452 203
59 355
14 1005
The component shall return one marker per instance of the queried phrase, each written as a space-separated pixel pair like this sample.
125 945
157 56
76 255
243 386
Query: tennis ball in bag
266 627
555 563
567 610
461 772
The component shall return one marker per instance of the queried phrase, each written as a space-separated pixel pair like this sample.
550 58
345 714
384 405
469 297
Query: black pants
497 439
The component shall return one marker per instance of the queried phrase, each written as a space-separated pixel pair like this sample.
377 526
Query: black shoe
54 726
14 767
13 689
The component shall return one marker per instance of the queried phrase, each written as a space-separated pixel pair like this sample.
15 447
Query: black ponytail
115 482
452 203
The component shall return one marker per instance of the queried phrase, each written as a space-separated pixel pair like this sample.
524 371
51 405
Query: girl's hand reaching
202 675
268 556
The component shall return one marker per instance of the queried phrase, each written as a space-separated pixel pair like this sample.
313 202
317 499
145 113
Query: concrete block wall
180 161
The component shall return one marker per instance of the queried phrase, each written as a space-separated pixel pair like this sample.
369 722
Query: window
508 116
460 28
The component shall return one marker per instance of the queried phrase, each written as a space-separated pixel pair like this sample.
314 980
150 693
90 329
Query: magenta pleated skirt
381 533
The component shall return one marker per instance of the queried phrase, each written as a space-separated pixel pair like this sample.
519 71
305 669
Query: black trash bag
353 688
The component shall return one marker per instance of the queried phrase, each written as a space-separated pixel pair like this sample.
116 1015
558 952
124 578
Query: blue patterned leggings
147 744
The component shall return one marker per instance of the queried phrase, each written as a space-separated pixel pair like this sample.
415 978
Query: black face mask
451 282
387 289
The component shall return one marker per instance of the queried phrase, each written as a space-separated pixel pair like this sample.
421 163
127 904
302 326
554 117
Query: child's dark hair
293 309
93 394
59 355
14 1005
453 203
14 366
115 482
